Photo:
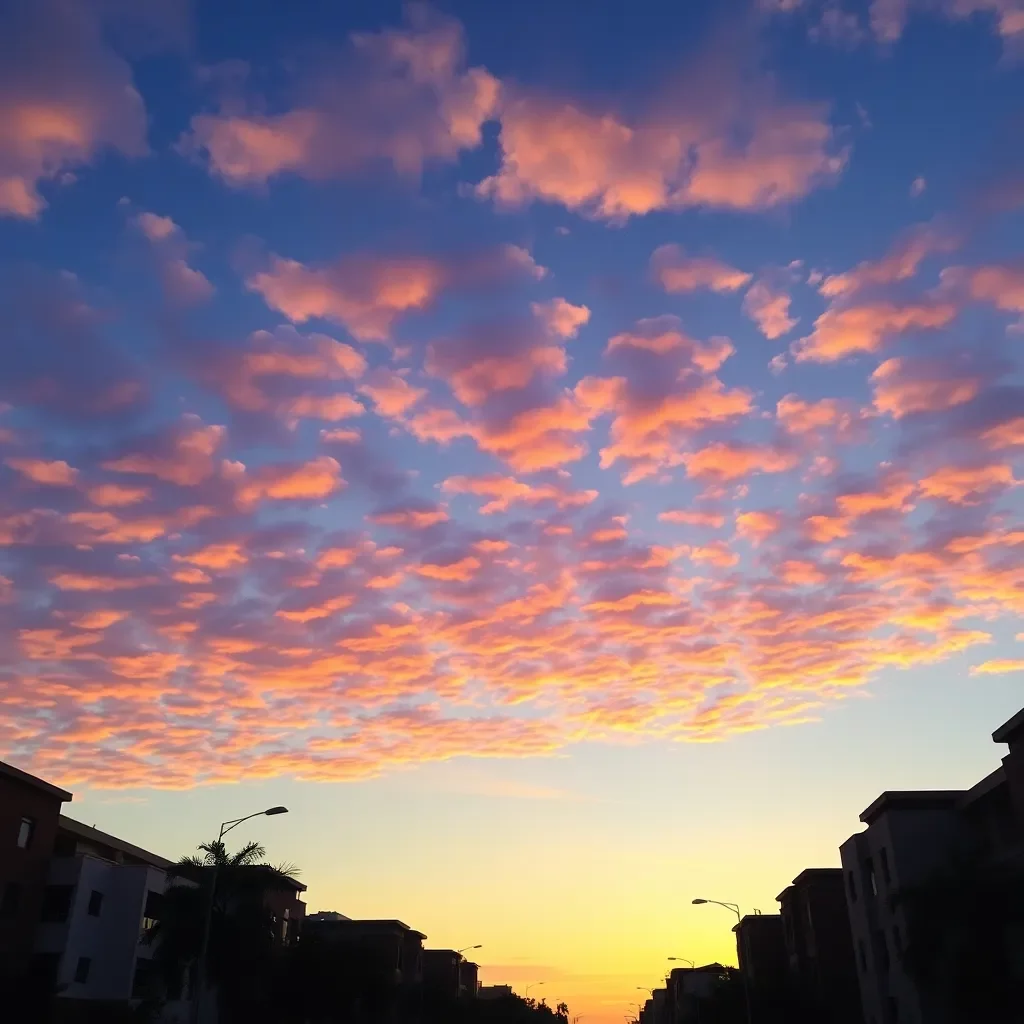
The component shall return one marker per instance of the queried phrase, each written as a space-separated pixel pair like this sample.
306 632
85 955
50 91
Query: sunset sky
566 452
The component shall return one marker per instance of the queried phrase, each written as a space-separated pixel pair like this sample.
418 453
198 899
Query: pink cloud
411 515
503 491
314 480
724 462
906 386
401 97
677 272
182 455
967 485
845 331
561 318
55 473
757 526
65 96
768 307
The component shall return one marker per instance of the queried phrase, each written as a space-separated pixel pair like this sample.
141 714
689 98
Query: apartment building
29 812
909 838
819 946
102 896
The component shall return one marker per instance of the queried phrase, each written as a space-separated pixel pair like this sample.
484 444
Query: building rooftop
1010 730
912 800
18 775
369 924
94 835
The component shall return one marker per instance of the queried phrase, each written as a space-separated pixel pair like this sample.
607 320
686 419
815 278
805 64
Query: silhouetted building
102 895
761 951
660 1006
29 811
390 944
469 978
494 992
441 971
819 946
688 986
287 910
910 838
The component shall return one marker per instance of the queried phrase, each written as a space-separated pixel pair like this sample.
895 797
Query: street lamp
225 828
640 988
464 948
685 960
533 984
734 907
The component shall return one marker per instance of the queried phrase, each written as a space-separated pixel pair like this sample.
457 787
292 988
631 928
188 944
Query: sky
568 454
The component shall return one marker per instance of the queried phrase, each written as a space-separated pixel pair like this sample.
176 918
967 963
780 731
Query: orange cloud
1006 435
392 395
677 272
724 461
402 97
117 495
1003 287
561 318
184 456
757 526
799 417
460 571
899 264
599 165
845 331
905 386
366 295
544 437
687 517
967 485
769 309
182 284
412 517
51 474
223 555
892 494
309 481
504 491
56 122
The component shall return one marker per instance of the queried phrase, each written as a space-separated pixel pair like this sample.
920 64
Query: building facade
101 898
29 812
911 838
819 946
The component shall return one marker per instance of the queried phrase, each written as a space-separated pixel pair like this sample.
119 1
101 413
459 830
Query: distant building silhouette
819 946
494 992
761 950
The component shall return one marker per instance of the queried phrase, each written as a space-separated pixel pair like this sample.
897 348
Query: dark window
95 903
10 903
882 949
56 902
862 955
851 884
869 867
151 914
82 970
65 846
144 983
26 830
883 860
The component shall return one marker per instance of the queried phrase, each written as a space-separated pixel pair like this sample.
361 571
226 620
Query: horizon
570 459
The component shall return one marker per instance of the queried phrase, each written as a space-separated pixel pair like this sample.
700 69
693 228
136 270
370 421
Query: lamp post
641 988
734 907
533 984
204 947
458 968
683 959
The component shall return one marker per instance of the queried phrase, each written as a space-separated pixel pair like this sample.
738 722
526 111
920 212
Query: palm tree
241 927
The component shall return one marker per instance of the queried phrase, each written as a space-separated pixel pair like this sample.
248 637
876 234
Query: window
851 884
95 903
883 860
56 903
869 867
862 955
26 830
883 951
151 914
10 902
82 970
